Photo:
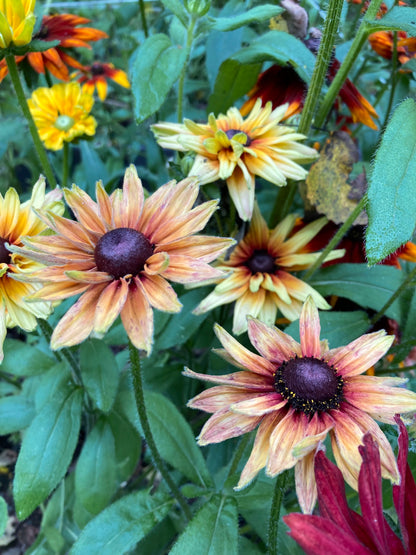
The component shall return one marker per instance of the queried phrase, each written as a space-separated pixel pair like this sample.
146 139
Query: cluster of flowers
122 250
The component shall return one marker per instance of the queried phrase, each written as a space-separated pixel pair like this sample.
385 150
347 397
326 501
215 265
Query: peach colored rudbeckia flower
260 273
297 394
120 254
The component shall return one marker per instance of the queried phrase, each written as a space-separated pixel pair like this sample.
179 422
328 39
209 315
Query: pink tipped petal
59 291
272 343
260 451
310 329
109 305
260 404
184 269
133 198
137 318
220 397
290 430
205 248
237 379
361 354
243 356
78 322
85 209
305 483
225 424
159 293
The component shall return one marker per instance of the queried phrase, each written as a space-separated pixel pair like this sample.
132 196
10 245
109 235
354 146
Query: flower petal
237 379
109 305
305 483
225 424
137 317
272 343
309 330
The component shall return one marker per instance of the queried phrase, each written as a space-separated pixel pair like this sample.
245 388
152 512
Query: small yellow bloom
236 150
17 221
62 113
16 22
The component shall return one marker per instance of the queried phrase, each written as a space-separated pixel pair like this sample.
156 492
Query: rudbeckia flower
236 150
62 113
16 22
16 221
260 273
96 75
339 529
65 28
297 394
382 42
119 255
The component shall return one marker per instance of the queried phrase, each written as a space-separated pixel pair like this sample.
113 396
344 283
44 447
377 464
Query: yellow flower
17 221
297 395
237 150
62 113
259 273
120 254
16 22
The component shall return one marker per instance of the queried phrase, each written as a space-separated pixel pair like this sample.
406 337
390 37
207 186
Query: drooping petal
226 424
272 343
305 483
289 431
137 317
261 404
221 397
110 304
159 293
237 379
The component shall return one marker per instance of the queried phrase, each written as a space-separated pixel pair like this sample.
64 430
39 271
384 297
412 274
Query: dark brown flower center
309 384
231 132
5 255
122 251
261 261
97 69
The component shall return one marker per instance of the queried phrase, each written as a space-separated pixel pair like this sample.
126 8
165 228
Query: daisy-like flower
297 394
260 273
65 28
96 75
16 221
236 150
62 113
120 254
16 22
339 529
382 42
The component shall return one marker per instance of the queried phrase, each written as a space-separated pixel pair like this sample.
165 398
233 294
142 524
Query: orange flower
297 394
96 75
119 254
382 42
62 27
260 273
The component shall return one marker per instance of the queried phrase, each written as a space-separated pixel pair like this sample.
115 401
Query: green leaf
128 445
16 413
281 48
157 65
118 528
255 15
368 287
3 516
99 372
397 19
22 359
11 130
391 192
339 328
233 81
47 449
95 474
173 436
176 7
213 530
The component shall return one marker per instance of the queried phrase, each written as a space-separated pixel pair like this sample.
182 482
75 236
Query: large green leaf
22 359
233 81
99 372
16 413
368 287
391 192
281 48
95 474
256 14
47 449
118 528
173 435
397 19
214 530
156 67
128 445
176 7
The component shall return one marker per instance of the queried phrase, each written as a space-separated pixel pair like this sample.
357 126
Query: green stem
14 75
282 204
393 81
356 46
65 353
320 69
395 295
279 491
48 78
181 83
336 238
143 18
147 432
238 454
65 165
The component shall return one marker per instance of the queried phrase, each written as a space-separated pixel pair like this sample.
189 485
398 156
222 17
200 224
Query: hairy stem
143 18
279 491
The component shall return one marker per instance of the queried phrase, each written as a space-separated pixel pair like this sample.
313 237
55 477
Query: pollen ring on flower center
309 384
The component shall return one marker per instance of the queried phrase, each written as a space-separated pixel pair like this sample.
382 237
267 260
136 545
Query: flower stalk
279 491
188 46
14 75
147 432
